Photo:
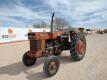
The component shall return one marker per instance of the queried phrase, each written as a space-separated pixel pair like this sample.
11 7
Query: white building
17 34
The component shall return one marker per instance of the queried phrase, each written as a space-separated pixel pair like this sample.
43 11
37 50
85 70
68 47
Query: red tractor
50 45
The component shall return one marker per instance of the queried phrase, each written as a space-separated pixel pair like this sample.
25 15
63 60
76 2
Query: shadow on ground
17 68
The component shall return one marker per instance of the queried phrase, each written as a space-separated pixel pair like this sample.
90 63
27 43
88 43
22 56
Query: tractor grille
35 45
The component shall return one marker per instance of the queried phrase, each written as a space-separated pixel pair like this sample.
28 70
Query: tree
36 25
42 24
59 23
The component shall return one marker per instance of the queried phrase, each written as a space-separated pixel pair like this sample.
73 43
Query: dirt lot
92 67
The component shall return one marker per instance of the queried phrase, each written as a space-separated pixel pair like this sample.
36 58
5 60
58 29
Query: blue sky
85 13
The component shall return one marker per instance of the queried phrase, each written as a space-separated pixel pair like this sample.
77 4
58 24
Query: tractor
50 45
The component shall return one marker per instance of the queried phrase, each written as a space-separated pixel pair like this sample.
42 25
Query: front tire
78 47
51 65
27 60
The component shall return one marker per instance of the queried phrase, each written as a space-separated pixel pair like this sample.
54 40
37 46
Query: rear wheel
78 47
27 60
51 65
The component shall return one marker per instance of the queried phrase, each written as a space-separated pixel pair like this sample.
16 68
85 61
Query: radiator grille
35 45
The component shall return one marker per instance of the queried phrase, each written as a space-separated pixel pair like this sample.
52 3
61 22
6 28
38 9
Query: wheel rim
80 47
53 67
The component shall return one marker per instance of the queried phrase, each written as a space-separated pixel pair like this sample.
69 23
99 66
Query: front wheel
27 60
51 65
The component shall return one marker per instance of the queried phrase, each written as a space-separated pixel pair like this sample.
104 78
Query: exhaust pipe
52 25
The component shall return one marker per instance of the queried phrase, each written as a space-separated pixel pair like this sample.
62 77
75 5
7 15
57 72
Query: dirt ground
92 67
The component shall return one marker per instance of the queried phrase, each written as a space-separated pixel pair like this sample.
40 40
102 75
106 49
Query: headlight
31 36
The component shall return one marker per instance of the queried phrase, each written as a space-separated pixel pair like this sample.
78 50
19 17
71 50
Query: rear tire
78 47
27 60
51 65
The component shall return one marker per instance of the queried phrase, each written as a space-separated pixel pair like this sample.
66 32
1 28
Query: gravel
92 67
